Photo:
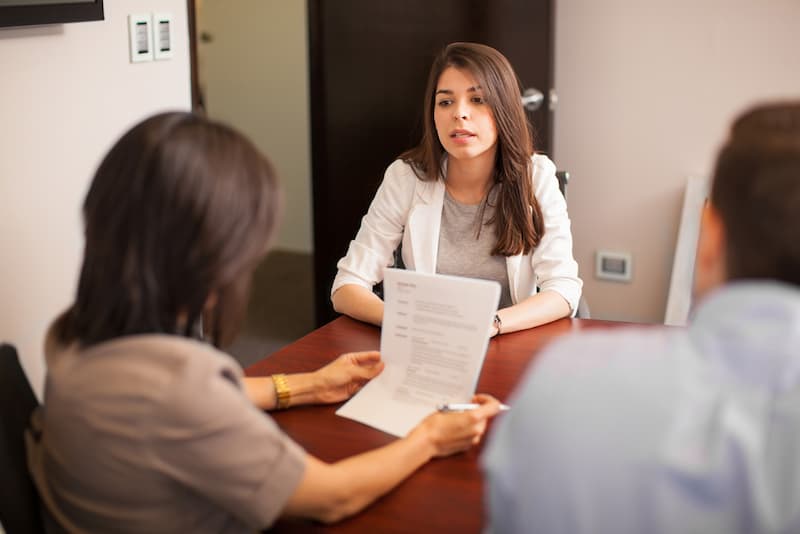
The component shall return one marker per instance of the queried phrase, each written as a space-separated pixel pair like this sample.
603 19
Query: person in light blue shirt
661 430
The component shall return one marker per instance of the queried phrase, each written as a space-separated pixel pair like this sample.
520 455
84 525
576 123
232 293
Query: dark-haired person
472 199
145 428
678 430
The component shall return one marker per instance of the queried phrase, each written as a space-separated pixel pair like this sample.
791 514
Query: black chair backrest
563 181
583 306
19 501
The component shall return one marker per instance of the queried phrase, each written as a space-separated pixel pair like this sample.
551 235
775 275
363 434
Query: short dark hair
518 217
756 190
181 208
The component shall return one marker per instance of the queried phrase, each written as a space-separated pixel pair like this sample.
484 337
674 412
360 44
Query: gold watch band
282 392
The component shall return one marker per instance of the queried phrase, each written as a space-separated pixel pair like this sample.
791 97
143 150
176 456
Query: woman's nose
460 111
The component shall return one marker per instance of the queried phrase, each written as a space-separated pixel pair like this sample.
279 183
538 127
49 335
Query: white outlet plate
140 32
162 35
615 266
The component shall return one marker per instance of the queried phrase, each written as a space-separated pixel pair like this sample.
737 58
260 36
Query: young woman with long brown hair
472 199
146 426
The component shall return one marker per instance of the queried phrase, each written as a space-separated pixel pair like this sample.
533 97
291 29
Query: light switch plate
616 266
162 35
140 31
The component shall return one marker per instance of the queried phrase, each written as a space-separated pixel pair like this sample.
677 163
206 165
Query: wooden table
445 495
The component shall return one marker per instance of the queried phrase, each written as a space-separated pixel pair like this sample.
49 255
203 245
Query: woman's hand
343 377
452 432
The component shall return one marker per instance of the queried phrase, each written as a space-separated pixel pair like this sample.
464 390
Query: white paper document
433 341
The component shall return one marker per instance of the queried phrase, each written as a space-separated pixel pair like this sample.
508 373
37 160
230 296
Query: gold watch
282 392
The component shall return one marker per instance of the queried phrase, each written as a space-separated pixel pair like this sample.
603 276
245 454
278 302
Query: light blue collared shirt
656 430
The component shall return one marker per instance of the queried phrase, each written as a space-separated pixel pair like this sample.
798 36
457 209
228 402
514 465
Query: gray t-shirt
154 433
463 251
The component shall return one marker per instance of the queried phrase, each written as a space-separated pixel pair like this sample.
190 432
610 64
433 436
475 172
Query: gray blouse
464 251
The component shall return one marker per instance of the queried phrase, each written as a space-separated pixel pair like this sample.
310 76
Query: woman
472 199
146 428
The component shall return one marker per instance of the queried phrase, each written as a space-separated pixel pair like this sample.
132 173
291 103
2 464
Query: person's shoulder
197 382
400 182
401 169
542 164
616 343
604 360
165 361
171 349
543 175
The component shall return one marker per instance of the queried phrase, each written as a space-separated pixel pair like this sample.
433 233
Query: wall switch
616 266
162 35
140 30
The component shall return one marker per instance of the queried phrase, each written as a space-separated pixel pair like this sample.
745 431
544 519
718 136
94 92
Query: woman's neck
468 181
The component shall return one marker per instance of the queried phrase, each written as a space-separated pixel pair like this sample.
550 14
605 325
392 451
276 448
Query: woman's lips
461 136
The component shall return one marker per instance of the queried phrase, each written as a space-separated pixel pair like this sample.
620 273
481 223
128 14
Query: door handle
532 99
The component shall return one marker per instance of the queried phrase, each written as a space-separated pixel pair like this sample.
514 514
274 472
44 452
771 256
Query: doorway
252 72
366 64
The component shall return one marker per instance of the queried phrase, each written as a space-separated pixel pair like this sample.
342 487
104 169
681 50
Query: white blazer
409 209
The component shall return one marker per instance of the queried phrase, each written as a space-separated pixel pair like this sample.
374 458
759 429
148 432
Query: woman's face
464 121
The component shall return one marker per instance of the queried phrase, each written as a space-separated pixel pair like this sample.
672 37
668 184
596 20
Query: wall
646 91
67 92
255 74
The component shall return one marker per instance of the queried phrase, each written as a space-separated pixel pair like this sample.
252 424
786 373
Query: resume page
433 340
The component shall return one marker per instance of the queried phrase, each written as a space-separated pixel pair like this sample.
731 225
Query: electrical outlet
162 35
616 266
140 31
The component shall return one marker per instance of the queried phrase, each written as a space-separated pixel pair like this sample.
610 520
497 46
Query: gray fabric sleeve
213 440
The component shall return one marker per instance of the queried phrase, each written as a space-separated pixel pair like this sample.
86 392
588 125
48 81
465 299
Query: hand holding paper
433 342
346 375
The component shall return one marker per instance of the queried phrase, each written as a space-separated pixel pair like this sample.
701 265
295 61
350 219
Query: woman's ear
709 270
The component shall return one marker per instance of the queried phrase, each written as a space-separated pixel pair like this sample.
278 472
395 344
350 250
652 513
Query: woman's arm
538 309
373 247
555 270
359 303
330 492
261 390
335 382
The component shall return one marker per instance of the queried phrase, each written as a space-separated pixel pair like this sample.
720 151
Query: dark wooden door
369 61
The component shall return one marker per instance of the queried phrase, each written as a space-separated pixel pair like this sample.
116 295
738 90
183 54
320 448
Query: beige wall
67 92
646 90
255 73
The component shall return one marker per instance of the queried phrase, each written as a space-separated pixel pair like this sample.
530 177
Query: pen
464 406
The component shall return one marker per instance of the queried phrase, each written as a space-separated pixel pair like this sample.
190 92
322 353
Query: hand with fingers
346 375
449 433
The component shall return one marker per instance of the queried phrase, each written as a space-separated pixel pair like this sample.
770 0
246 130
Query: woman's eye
478 100
443 103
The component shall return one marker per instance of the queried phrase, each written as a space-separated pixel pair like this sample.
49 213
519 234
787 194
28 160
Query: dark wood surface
446 494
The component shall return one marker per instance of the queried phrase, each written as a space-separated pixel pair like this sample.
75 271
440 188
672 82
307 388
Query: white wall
646 91
67 92
255 74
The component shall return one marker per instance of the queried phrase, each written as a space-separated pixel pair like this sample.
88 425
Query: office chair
563 181
19 501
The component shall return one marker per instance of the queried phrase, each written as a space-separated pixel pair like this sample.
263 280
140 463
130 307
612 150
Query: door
369 62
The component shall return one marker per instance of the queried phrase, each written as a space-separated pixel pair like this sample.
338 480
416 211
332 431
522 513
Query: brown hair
518 218
756 191
181 208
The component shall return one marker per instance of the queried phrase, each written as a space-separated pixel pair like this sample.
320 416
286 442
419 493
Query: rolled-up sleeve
380 232
553 264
